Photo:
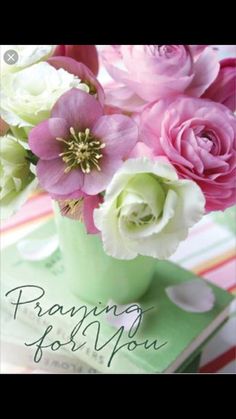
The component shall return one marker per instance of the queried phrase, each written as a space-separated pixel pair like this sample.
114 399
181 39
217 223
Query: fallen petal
193 296
125 315
36 250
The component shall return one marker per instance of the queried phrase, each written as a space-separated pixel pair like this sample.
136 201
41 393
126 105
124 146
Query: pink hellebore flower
79 148
223 89
146 73
86 54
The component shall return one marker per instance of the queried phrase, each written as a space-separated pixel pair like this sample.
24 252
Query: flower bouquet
132 160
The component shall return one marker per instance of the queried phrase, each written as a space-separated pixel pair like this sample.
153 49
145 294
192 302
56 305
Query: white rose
147 210
27 55
28 95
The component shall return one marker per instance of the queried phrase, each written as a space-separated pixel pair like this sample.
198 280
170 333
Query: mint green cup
94 276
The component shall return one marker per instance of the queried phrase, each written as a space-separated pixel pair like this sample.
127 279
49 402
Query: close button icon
10 57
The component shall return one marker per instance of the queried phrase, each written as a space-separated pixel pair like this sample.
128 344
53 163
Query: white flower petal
36 250
192 296
140 165
160 246
191 204
105 219
126 315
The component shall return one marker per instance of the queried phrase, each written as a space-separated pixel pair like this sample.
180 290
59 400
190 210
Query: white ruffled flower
28 95
147 210
27 55
17 181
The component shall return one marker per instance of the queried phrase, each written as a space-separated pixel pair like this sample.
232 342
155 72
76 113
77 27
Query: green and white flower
16 179
147 210
28 96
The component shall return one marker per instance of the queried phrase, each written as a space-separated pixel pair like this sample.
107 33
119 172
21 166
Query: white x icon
11 57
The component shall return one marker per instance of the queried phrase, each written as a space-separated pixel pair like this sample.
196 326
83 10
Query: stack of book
44 326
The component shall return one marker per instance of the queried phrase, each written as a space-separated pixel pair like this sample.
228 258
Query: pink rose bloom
82 72
223 89
146 73
86 54
199 138
79 148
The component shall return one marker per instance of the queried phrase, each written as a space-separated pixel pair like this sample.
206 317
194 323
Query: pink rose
146 73
86 54
199 138
223 89
197 49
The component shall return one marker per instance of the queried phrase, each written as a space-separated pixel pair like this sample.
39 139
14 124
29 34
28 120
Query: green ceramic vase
94 276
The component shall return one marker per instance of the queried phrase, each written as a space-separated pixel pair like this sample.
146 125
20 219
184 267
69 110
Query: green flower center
141 215
141 203
82 150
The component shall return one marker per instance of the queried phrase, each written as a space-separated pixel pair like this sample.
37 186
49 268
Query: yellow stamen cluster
82 150
72 208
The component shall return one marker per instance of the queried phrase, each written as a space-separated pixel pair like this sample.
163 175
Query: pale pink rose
141 150
223 89
199 138
111 110
197 49
146 73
